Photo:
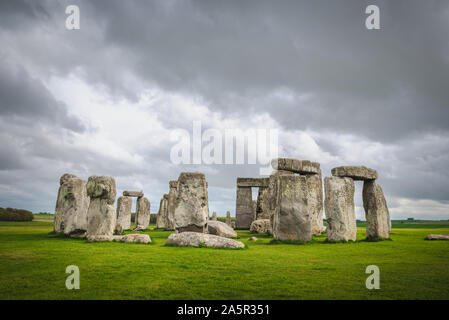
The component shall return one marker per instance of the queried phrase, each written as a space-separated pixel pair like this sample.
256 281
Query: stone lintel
252 182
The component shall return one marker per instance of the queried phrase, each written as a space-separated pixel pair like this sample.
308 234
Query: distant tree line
11 214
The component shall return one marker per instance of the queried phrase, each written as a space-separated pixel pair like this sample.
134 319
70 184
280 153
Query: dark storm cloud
27 99
382 84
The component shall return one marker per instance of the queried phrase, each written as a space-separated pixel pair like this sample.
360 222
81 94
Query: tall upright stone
272 193
101 216
291 220
228 218
339 208
171 205
71 206
123 222
142 214
192 203
244 214
378 223
315 201
262 211
214 216
162 213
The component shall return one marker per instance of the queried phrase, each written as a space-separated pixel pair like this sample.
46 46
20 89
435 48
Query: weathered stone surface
339 208
162 213
437 237
71 206
244 214
196 239
102 187
355 172
378 223
65 177
99 238
142 214
296 166
272 193
252 182
143 206
137 194
214 216
138 238
292 220
315 201
171 205
192 203
221 229
123 222
261 226
101 216
263 205
228 218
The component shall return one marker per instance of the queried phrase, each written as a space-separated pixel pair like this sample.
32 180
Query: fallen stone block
261 226
437 237
197 239
221 229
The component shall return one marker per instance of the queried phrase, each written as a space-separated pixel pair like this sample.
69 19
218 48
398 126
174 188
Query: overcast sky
105 99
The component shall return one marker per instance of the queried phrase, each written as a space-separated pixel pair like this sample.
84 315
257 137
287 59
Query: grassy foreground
33 263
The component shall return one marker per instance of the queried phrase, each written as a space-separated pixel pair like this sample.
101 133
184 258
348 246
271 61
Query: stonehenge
340 187
170 218
124 204
162 213
339 204
295 199
289 206
221 229
101 215
71 206
197 239
292 220
378 223
142 214
228 218
246 209
261 226
192 203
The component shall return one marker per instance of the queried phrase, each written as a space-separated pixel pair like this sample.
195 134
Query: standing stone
214 216
171 205
262 211
142 214
192 203
162 213
315 201
244 214
123 223
378 223
292 220
339 207
254 210
71 206
272 193
101 216
228 218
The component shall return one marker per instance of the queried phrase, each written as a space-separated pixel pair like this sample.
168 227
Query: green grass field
33 263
